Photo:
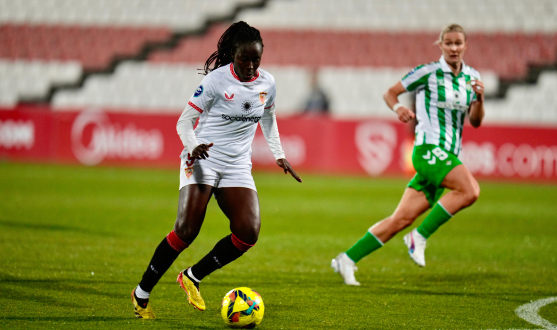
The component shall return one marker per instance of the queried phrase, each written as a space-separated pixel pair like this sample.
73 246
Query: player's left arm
270 131
477 111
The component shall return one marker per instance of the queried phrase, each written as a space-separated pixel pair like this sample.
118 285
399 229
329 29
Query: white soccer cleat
416 246
346 268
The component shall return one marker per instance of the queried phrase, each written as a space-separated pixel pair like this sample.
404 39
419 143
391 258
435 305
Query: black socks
162 260
221 255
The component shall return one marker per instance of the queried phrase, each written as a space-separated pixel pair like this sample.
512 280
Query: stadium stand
527 104
92 46
380 49
164 87
87 34
485 16
22 78
359 47
178 15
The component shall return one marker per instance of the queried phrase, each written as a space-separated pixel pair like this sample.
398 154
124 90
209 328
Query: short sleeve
203 97
416 78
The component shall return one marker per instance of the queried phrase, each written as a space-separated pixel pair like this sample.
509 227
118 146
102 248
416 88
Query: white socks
190 274
141 294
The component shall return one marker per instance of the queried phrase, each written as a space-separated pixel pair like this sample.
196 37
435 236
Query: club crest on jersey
229 98
469 85
189 171
198 91
189 168
247 106
262 96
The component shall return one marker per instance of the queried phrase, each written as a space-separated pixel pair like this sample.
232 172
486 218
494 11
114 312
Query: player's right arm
185 130
201 100
391 98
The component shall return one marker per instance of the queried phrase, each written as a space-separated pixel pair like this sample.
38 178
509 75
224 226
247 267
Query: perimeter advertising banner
370 147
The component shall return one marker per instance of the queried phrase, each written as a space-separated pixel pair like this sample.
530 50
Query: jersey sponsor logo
241 118
198 91
229 98
452 106
441 81
457 96
247 106
262 96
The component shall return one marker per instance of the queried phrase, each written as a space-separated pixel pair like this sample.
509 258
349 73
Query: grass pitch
74 241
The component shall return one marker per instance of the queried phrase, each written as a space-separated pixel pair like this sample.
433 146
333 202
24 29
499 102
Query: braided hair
237 34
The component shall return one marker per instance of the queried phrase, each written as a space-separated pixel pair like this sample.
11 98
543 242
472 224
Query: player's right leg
412 204
241 207
192 206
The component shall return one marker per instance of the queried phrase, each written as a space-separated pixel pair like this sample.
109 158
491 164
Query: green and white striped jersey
442 101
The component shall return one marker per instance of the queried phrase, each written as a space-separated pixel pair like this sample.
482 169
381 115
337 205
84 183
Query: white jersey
442 100
230 110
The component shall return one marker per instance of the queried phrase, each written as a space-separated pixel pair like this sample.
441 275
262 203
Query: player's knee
401 221
472 194
251 234
475 194
186 231
243 244
247 230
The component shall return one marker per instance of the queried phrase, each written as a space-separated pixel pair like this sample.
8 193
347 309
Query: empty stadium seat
534 104
167 87
24 79
508 54
408 15
175 14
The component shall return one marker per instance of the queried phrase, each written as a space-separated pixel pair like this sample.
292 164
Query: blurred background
104 81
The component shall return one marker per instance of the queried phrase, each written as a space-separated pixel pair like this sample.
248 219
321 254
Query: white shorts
199 171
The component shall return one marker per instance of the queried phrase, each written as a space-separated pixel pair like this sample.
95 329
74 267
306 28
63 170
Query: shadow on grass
65 318
36 290
37 296
111 322
52 227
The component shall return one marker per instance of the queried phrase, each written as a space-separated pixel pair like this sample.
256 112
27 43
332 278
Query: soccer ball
242 308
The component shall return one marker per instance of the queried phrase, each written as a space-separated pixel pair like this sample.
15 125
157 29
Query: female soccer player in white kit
232 99
446 91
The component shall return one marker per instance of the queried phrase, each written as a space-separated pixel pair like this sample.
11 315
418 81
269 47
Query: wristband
396 106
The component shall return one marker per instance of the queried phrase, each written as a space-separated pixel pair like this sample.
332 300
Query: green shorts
432 164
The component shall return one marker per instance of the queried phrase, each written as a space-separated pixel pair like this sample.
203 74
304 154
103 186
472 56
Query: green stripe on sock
363 247
434 220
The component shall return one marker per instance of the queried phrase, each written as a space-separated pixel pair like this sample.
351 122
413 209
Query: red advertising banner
370 147
25 135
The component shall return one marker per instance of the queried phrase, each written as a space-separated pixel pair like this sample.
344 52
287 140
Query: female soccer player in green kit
446 91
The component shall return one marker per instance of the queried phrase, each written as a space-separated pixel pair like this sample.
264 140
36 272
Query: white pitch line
529 312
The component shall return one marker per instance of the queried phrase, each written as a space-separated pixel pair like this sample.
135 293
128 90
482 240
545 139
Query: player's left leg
465 190
412 204
241 207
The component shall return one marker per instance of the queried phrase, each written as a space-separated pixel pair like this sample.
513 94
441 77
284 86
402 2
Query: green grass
74 241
